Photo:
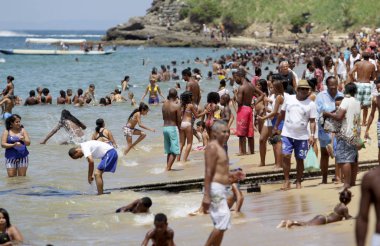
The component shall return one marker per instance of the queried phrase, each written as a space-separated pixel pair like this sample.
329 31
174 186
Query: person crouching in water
96 150
161 234
129 129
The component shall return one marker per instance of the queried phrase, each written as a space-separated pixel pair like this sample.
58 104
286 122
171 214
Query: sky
68 14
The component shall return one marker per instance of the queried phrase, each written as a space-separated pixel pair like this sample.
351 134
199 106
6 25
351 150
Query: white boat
59 42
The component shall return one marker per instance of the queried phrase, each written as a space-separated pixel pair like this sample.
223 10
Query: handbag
311 161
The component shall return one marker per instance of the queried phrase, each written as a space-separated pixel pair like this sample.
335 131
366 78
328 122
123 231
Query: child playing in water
161 234
201 128
141 205
131 97
340 211
129 129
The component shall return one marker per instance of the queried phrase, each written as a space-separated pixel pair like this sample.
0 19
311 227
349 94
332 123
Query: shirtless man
217 178
192 86
161 235
62 97
365 72
78 99
7 103
171 114
46 98
370 193
244 115
117 97
31 100
9 89
375 105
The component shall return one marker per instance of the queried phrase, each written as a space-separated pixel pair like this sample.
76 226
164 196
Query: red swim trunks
244 122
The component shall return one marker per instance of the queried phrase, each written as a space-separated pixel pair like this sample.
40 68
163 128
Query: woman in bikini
71 124
339 213
129 129
102 134
212 110
154 91
9 235
186 132
273 111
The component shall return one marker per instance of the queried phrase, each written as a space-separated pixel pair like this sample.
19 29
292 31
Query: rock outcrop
162 24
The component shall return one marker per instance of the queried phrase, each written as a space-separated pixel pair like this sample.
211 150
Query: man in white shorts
217 179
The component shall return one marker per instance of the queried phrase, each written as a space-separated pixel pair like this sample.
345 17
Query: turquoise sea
55 204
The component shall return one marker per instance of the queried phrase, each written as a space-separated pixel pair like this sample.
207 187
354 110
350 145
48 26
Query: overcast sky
68 14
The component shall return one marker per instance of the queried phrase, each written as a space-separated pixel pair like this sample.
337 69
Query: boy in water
201 128
161 235
141 205
96 150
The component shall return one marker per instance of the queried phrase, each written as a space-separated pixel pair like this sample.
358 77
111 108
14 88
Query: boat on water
62 48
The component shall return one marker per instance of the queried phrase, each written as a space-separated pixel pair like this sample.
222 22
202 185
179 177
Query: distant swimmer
141 205
131 97
339 213
7 104
130 130
161 235
154 90
96 150
71 124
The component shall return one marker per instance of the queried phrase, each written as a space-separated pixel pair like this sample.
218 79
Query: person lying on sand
340 211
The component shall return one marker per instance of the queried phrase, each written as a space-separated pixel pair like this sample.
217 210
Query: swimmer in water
71 124
141 205
131 97
339 213
161 234
102 134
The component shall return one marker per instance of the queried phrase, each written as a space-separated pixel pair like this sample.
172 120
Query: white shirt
297 115
94 148
351 122
342 68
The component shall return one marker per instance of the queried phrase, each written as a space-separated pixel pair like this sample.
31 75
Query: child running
161 234
339 213
129 129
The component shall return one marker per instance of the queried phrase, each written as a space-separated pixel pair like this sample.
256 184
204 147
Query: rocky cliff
161 24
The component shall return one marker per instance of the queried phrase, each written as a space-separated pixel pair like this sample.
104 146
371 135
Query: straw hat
303 84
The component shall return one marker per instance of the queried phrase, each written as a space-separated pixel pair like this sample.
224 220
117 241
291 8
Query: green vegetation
239 14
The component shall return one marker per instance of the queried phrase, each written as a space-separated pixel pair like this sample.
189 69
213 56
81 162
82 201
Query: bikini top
155 88
4 237
101 135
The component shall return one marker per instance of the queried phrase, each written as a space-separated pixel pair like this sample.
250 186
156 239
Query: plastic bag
311 161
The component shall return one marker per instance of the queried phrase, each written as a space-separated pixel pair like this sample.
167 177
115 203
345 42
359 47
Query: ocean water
55 204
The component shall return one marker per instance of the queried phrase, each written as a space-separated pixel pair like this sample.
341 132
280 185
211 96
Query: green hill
239 14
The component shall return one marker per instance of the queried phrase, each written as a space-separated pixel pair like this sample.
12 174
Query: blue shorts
109 161
300 147
6 115
171 140
323 137
280 125
154 100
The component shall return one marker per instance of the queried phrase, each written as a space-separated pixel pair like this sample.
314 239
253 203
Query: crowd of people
295 114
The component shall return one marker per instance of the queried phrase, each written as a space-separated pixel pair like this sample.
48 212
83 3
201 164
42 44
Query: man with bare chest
365 73
244 114
216 182
370 194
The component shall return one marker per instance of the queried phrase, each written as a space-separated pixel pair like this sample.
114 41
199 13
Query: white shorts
219 210
375 240
374 92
